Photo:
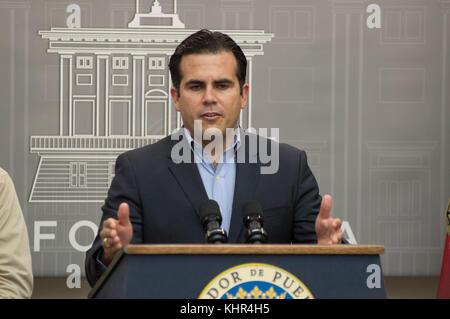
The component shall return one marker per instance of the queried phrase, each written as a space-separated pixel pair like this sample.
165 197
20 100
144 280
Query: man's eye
195 87
222 86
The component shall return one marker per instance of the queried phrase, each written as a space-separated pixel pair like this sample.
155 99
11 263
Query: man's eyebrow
199 82
223 81
190 82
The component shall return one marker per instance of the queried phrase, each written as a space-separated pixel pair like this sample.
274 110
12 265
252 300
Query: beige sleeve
16 276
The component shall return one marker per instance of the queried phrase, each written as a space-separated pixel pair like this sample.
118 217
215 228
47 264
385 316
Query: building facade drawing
114 95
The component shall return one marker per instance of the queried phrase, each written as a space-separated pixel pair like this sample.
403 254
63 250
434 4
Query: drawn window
155 116
78 174
82 175
119 117
84 62
120 80
73 179
83 117
120 63
84 79
156 80
156 63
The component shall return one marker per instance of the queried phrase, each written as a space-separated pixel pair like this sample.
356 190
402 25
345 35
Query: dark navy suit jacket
164 198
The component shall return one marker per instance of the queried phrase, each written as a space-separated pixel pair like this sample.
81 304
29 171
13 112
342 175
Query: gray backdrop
370 106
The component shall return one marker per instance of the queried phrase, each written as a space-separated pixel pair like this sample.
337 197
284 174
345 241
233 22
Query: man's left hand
328 229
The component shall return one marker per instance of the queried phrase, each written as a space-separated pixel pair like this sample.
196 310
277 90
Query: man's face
209 91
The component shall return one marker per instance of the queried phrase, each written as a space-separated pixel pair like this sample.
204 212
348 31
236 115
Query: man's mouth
210 115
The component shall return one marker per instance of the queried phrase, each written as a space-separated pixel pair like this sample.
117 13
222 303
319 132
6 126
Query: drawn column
346 109
65 102
102 94
138 94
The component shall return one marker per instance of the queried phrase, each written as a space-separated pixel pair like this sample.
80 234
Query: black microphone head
252 210
253 219
211 218
209 210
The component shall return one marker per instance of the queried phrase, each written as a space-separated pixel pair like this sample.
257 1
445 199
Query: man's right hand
116 233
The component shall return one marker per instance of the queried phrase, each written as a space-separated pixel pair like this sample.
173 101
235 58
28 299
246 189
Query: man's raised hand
116 233
328 229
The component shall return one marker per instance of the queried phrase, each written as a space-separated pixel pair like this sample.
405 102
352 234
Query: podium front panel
188 276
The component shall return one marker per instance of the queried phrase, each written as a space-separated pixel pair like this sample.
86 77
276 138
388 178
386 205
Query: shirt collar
195 145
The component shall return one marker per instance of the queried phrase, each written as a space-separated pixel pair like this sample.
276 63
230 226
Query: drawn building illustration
114 95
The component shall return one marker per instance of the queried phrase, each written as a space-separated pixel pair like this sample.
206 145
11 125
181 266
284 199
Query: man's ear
244 95
175 98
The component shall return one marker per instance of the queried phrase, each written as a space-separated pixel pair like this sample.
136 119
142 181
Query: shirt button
217 177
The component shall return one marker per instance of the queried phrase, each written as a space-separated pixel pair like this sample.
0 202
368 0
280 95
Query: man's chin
209 128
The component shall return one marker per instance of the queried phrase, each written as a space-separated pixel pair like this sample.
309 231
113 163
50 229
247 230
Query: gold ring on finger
106 242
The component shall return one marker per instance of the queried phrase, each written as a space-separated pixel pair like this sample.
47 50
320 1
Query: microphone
253 220
211 219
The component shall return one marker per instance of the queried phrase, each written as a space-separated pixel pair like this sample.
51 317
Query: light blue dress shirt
219 182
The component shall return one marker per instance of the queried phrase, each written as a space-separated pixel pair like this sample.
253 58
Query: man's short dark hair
207 42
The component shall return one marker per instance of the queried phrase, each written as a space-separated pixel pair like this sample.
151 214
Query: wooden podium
243 271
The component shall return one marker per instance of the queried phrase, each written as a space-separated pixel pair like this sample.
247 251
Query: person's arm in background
16 276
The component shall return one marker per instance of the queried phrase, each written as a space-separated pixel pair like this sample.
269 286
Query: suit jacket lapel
188 177
247 179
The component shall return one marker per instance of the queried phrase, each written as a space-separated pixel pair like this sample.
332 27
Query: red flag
444 281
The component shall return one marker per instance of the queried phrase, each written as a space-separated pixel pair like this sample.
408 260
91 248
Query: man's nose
209 97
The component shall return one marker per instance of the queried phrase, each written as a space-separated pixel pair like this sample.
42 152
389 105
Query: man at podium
155 198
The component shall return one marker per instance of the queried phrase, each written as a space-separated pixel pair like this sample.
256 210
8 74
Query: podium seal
255 281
